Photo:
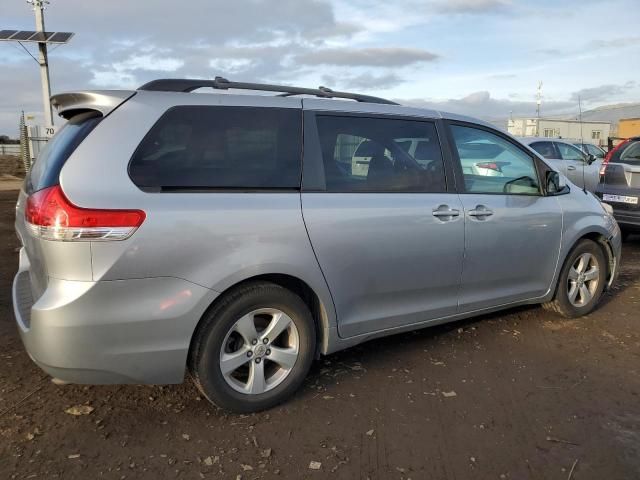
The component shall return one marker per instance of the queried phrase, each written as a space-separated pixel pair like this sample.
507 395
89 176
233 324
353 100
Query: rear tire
233 361
582 281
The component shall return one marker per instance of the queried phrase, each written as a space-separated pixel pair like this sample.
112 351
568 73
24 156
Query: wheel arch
320 314
604 243
603 240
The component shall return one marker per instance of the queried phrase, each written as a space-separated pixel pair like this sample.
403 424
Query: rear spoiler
103 101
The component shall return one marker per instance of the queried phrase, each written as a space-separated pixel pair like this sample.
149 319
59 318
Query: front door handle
481 212
445 212
571 167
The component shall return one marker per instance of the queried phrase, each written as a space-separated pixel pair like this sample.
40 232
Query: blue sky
481 57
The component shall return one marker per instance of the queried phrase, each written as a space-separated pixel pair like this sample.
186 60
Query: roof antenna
584 181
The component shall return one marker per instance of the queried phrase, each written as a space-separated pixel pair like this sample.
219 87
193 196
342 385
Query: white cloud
416 49
482 105
231 65
148 62
363 81
472 6
372 57
602 92
113 79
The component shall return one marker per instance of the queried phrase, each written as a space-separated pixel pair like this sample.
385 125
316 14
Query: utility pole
538 99
538 103
42 38
43 61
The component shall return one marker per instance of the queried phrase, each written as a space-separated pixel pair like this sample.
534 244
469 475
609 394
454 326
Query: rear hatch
45 258
620 183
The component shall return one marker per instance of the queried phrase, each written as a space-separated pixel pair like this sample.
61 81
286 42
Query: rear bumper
627 218
121 331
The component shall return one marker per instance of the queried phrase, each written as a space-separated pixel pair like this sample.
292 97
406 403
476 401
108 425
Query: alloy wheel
259 351
583 280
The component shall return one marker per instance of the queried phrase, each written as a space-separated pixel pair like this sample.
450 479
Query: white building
573 130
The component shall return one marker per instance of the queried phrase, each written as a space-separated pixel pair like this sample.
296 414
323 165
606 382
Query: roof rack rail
220 83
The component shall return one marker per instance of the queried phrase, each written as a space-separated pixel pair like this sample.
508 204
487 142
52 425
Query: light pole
43 61
42 38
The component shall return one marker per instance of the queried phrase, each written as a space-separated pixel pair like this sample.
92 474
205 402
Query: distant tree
5 139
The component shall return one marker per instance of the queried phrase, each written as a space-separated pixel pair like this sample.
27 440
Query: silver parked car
583 169
167 232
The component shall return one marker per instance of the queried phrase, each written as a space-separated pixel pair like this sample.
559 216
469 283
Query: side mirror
555 184
591 158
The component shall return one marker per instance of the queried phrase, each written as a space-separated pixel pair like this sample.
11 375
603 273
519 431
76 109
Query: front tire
582 281
254 348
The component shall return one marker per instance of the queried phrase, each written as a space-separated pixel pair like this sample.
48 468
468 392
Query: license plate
620 199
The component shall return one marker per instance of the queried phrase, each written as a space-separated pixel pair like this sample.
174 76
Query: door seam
304 223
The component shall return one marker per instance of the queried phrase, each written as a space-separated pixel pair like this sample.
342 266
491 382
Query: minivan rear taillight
603 167
51 216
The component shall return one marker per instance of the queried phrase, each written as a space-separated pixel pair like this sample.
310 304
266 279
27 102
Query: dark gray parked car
237 238
620 184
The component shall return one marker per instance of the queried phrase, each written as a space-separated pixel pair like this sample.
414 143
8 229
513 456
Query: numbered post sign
49 131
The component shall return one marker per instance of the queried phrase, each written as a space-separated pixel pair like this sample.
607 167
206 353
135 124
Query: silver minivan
167 231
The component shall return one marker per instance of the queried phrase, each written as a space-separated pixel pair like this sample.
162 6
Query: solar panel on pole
5 34
42 38
23 35
33 36
60 37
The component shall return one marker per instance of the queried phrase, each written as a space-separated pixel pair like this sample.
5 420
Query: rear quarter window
631 154
220 147
46 169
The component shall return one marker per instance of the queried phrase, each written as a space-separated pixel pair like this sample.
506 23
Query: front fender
585 218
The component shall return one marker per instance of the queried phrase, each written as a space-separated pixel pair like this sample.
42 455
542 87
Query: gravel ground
11 165
516 395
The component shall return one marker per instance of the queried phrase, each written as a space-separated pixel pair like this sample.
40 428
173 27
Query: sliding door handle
444 212
480 212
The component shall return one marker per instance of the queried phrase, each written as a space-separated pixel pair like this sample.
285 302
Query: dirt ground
516 395
11 165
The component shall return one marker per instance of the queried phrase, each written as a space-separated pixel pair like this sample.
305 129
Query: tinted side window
221 147
46 169
491 164
569 152
546 149
595 151
631 154
380 155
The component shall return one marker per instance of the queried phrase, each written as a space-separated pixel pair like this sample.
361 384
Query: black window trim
205 189
457 164
313 179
